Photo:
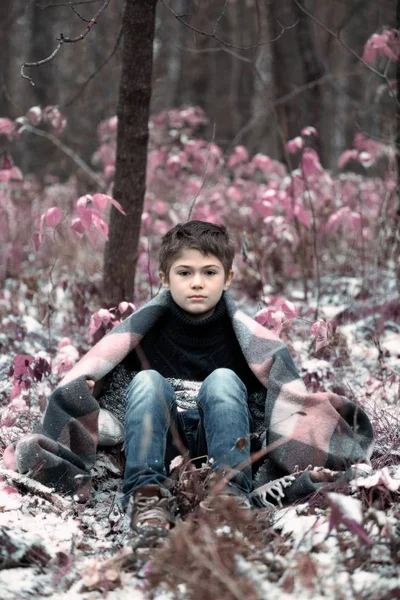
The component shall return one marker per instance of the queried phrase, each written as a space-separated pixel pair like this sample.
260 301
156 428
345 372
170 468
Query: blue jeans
213 429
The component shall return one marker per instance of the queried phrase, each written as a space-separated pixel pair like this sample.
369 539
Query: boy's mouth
197 297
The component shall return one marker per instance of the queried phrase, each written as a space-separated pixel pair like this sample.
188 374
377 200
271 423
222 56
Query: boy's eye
188 272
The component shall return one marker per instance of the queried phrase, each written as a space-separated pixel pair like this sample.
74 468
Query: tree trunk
398 119
5 12
120 255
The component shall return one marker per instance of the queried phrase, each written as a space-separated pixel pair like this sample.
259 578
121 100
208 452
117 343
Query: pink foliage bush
383 44
277 217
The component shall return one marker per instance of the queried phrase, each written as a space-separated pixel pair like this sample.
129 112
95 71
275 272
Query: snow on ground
346 546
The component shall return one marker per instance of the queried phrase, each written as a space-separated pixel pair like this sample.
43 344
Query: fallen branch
26 484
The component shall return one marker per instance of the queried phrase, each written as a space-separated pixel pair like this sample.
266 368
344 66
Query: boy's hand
90 383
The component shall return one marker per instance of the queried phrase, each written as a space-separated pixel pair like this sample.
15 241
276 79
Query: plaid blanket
296 428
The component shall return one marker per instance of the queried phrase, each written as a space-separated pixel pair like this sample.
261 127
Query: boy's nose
197 281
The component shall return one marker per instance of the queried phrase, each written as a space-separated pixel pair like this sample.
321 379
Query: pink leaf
53 216
66 356
109 171
234 194
77 227
262 162
94 324
287 307
37 240
101 201
310 163
21 364
366 159
7 162
8 128
355 221
65 341
34 114
346 156
173 165
99 318
264 208
160 227
322 332
272 318
100 225
159 208
336 219
381 44
16 174
309 132
239 155
302 215
82 203
5 176
87 217
53 116
294 145
348 511
124 306
263 316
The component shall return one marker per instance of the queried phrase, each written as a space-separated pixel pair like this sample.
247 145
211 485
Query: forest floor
344 544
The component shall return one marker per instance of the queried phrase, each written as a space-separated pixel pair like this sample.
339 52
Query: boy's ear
163 279
228 280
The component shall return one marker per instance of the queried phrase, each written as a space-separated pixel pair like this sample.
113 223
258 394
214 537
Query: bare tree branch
66 4
79 15
39 62
69 152
213 35
65 40
221 14
96 73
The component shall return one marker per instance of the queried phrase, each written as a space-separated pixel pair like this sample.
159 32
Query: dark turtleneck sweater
182 348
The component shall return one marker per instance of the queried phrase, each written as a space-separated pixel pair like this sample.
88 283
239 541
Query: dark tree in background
133 115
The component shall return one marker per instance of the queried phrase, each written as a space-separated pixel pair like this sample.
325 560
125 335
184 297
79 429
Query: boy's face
196 283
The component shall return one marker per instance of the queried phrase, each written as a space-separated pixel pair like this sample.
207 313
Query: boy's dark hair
208 238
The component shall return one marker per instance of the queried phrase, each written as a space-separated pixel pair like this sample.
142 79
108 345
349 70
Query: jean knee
224 385
149 387
224 376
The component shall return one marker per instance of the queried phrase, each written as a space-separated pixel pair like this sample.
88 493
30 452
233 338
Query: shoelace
151 507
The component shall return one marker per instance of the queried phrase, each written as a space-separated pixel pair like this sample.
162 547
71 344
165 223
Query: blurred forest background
254 75
255 96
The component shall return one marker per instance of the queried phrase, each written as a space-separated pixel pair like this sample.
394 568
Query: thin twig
96 73
314 236
66 4
221 14
69 152
64 40
39 62
205 174
213 36
79 15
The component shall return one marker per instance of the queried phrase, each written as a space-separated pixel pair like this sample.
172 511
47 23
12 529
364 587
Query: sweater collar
209 327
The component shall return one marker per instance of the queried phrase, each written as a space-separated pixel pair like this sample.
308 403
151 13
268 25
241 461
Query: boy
195 342
190 361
